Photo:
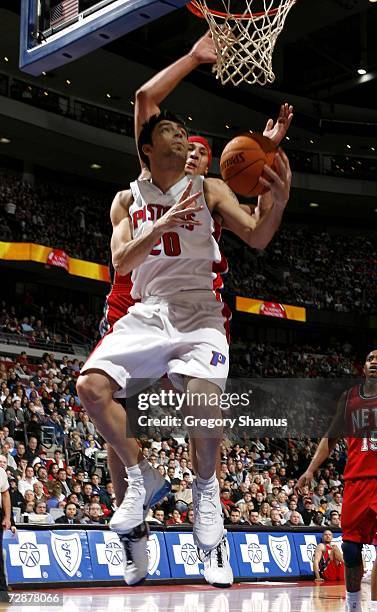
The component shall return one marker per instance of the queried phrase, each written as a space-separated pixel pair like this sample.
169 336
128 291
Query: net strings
245 43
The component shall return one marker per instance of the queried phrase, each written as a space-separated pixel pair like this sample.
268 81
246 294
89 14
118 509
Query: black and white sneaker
217 569
135 554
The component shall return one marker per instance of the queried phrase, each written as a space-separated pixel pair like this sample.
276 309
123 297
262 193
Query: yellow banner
25 251
270 309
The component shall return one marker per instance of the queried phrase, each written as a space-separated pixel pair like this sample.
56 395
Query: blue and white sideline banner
266 555
106 553
183 556
52 556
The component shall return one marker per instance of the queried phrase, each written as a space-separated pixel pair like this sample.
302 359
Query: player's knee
93 390
352 553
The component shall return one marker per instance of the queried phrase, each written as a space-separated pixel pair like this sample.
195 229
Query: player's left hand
204 51
5 524
278 130
13 530
278 181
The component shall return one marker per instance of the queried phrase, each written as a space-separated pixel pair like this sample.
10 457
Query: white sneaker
135 555
208 526
217 569
142 493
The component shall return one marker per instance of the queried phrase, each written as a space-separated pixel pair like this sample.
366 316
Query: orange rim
195 9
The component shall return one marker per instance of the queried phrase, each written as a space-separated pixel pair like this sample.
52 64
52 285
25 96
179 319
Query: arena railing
350 166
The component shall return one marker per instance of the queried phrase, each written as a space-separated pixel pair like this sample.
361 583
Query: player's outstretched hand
204 50
305 479
278 130
278 181
182 212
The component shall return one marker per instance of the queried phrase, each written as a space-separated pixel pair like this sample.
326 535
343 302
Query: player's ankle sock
205 482
353 601
137 471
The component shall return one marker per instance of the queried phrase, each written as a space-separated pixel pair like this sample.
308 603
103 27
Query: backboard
55 32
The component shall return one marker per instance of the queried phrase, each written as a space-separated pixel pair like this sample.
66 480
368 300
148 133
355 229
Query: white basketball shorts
183 335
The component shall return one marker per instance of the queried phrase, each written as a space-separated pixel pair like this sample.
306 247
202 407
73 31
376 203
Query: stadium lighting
361 71
314 205
95 166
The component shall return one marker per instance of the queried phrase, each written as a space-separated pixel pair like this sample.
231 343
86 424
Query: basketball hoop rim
194 8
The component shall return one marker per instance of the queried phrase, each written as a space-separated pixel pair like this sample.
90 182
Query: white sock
205 482
353 601
137 471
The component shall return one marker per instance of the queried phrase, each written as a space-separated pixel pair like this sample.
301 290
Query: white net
244 40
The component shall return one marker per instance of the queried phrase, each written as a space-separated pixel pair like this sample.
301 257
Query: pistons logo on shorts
217 358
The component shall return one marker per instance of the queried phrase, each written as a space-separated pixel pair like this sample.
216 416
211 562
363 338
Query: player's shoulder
120 205
123 198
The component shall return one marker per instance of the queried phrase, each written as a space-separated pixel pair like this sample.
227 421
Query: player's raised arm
151 94
256 232
326 445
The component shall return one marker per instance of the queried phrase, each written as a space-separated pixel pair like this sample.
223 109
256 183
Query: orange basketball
242 163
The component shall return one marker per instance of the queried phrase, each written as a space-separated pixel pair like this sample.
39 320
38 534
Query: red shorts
359 510
334 572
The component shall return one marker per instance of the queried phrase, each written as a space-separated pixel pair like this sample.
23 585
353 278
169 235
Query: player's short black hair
148 127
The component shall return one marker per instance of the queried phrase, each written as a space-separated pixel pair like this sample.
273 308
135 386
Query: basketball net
244 41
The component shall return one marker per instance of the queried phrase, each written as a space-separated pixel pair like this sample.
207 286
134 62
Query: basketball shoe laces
135 491
206 506
219 554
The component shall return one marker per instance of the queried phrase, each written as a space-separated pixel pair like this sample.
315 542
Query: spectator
235 517
308 512
336 503
175 518
183 497
94 515
275 519
40 514
62 478
32 449
295 519
334 522
190 517
17 500
70 515
159 516
27 482
254 519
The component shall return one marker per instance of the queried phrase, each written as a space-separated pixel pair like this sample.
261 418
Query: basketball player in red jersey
328 562
357 413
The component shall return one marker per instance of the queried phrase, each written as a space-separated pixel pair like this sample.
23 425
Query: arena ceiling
316 62
317 56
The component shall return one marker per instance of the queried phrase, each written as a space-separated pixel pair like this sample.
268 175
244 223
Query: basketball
242 163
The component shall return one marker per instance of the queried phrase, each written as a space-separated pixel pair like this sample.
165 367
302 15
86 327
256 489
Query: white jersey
183 258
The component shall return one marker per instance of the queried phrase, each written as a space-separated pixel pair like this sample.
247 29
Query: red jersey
361 414
118 301
325 559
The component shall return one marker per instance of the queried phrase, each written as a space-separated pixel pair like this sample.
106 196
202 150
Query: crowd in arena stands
49 323
51 215
72 483
254 359
306 267
302 265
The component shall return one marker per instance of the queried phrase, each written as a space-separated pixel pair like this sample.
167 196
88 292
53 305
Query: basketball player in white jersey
162 230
